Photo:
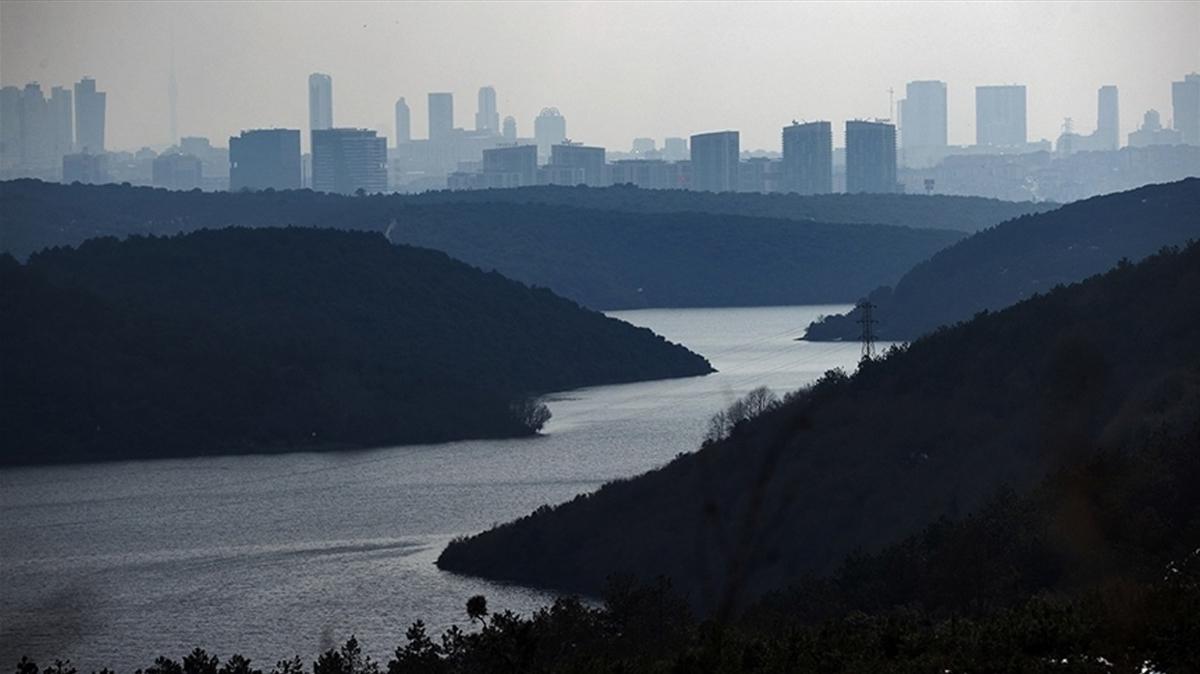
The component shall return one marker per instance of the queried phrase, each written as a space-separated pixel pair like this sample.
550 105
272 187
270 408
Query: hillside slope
618 260
856 463
1025 256
279 339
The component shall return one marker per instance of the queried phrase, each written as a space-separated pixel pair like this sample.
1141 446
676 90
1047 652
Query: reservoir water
271 556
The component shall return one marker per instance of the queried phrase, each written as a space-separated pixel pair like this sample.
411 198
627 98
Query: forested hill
36 215
966 214
859 462
615 259
281 339
1026 256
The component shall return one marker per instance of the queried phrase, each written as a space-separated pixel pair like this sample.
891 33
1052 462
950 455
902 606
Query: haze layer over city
469 337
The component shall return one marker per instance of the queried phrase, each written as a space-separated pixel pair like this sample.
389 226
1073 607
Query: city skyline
215 103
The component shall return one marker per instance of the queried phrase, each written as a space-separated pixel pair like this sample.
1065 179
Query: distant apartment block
91 169
177 171
441 116
262 159
715 161
549 129
590 160
870 157
89 116
347 160
1185 102
514 166
808 158
1000 115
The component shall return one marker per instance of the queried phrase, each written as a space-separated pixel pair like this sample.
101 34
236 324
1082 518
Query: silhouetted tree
477 608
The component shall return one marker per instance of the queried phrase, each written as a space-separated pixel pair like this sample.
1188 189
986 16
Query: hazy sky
616 70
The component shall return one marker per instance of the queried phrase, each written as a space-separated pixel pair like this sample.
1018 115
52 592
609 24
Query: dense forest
274 339
614 260
1026 256
38 215
607 248
858 462
1096 570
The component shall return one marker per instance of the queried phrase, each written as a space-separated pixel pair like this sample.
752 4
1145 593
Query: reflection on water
271 556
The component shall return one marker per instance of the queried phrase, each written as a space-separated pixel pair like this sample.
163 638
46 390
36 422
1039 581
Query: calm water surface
272 556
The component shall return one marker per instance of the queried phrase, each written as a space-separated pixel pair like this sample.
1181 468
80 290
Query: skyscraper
62 127
1185 101
870 157
320 102
89 116
37 143
347 160
10 126
1108 131
487 119
999 115
403 122
808 158
510 129
265 158
923 121
549 129
715 161
441 115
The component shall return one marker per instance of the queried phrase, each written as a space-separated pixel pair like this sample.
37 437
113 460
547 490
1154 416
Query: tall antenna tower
867 321
891 104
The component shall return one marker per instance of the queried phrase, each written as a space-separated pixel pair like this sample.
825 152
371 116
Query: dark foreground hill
1093 571
859 462
279 339
607 248
1026 256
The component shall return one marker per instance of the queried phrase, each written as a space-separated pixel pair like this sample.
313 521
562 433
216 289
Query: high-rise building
549 129
675 149
10 126
62 121
487 119
176 171
1000 115
441 115
870 157
923 120
589 159
262 159
37 141
403 122
510 129
1185 101
320 102
347 160
514 166
808 158
89 116
1108 128
715 161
